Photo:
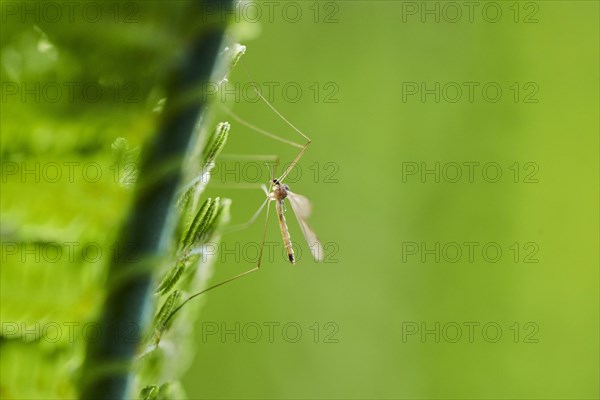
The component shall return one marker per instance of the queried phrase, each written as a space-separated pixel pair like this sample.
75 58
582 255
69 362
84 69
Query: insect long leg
255 128
293 163
254 217
272 107
232 278
206 290
274 136
248 223
262 245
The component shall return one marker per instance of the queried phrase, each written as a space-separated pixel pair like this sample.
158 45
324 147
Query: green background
377 319
370 212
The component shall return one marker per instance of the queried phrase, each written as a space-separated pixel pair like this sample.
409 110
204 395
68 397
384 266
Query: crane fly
278 193
302 209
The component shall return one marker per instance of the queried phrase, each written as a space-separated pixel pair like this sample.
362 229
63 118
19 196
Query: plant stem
107 368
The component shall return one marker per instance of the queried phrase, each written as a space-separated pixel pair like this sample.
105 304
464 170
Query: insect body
302 209
278 194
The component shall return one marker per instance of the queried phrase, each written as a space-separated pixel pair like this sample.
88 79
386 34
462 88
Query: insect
279 191
302 209
276 191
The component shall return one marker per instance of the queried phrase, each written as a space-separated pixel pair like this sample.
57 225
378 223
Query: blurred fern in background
81 100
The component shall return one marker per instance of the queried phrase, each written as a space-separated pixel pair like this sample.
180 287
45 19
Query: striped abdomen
285 233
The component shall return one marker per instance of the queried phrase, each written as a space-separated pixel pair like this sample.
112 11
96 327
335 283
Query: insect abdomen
285 233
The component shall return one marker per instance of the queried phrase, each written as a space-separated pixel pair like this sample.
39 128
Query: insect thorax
280 191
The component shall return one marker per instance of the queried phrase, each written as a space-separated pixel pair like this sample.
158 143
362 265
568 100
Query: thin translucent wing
300 204
302 209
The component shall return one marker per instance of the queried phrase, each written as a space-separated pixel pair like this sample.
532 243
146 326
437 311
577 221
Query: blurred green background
373 214
389 315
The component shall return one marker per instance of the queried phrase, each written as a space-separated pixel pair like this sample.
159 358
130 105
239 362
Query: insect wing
302 208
